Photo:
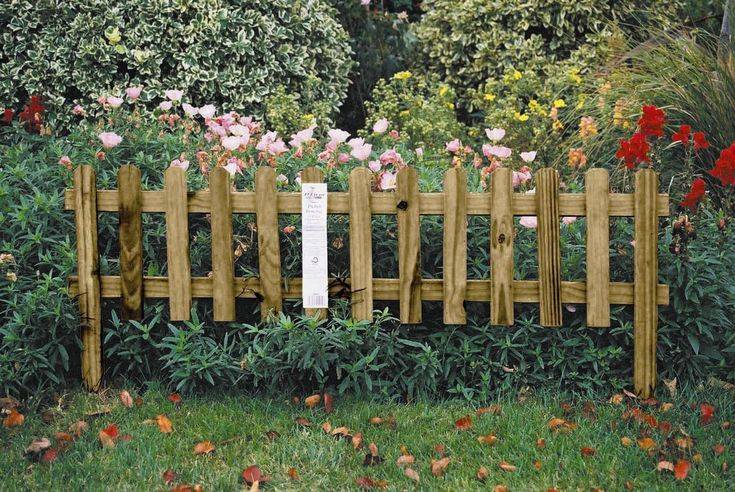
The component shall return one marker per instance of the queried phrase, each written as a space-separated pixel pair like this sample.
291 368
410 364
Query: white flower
528 156
207 112
495 134
174 95
337 135
190 110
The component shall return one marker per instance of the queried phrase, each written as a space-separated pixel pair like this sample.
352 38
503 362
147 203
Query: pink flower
183 164
495 134
365 2
529 222
522 176
133 93
207 111
78 110
165 106
173 95
375 166
114 101
231 143
380 126
266 140
454 146
231 167
65 161
240 131
496 150
289 229
390 156
277 148
301 137
102 100
337 135
394 134
282 180
568 220
109 139
419 152
343 158
387 181
190 110
528 156
360 150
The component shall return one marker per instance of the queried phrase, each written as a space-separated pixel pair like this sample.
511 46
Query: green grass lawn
238 426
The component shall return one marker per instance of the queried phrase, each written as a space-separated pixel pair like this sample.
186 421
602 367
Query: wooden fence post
361 245
269 249
90 302
549 254
455 246
501 247
312 174
597 196
177 244
223 263
409 245
645 310
131 242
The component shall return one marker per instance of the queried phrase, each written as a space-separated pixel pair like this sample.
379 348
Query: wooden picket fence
501 290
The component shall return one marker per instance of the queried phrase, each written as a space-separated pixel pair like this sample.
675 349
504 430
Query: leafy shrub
222 52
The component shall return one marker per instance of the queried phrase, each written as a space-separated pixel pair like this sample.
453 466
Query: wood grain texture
645 312
131 242
223 262
409 245
177 244
570 204
598 248
549 253
314 175
501 247
88 276
361 245
384 289
269 250
455 246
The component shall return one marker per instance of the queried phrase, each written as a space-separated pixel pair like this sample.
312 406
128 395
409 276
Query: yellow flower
587 127
450 105
517 75
489 97
557 126
402 75
521 116
581 101
559 103
574 76
535 107
443 91
405 113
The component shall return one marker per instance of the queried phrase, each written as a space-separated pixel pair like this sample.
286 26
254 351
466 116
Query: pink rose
109 139
419 152
496 150
289 229
337 135
78 110
380 126
65 161
133 93
568 220
304 136
343 158
277 148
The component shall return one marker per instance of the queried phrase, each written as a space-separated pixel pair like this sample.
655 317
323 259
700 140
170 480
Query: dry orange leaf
252 474
376 420
626 441
500 488
373 449
164 424
665 407
341 432
493 409
482 473
541 443
681 469
557 424
646 444
405 459
78 428
14 419
464 423
587 451
684 442
718 449
292 473
489 439
108 436
312 401
505 466
697 458
303 421
371 483
126 399
665 465
439 466
412 474
175 398
616 399
204 447
537 464
357 440
327 427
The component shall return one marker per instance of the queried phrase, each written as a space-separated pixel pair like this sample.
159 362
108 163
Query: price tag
314 244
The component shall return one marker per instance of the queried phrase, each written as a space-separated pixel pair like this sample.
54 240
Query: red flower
725 166
7 116
700 141
32 113
634 151
695 195
683 135
651 123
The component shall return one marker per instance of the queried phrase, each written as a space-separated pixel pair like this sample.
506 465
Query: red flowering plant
31 116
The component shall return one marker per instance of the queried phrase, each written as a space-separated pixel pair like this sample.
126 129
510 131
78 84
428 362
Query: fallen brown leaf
646 444
304 422
557 424
540 443
175 398
493 409
327 427
587 451
49 456
376 420
328 403
464 423
78 428
616 399
500 488
312 401
665 407
537 464
681 469
292 473
272 435
438 467
169 476
164 424
253 474
405 460
718 449
626 441
505 466
357 440
36 448
126 399
482 474
13 419
489 439
204 447
412 474
108 436
372 458
371 483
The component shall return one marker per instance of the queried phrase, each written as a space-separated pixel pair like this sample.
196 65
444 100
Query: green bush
223 52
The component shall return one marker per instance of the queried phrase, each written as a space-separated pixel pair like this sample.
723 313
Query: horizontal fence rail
455 204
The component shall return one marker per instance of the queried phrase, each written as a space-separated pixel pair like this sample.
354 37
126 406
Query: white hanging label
314 244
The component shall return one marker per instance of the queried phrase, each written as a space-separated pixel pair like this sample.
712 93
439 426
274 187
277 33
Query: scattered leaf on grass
272 435
537 465
14 419
138 401
126 399
372 458
489 439
718 449
292 473
357 440
493 409
540 443
697 457
78 428
706 413
342 432
412 474
587 451
99 412
169 476
175 398
505 466
253 474
304 422
312 401
108 436
204 447
482 474
327 427
187 488
8 403
684 442
49 456
371 483
328 403
671 386
464 423
646 444
500 488
36 448
405 459
681 469
665 407
626 441
440 449
439 466
126 438
664 427
561 425
616 399
164 424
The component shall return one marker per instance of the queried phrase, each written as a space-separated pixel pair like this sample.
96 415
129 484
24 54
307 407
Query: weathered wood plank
88 275
177 244
314 175
131 242
223 262
269 249
549 253
361 245
455 246
501 247
645 312
409 245
598 248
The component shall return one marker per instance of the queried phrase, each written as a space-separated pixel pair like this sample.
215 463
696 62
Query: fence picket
409 245
549 254
223 262
177 244
361 245
131 243
645 312
501 247
455 246
269 250
88 271
314 175
598 248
